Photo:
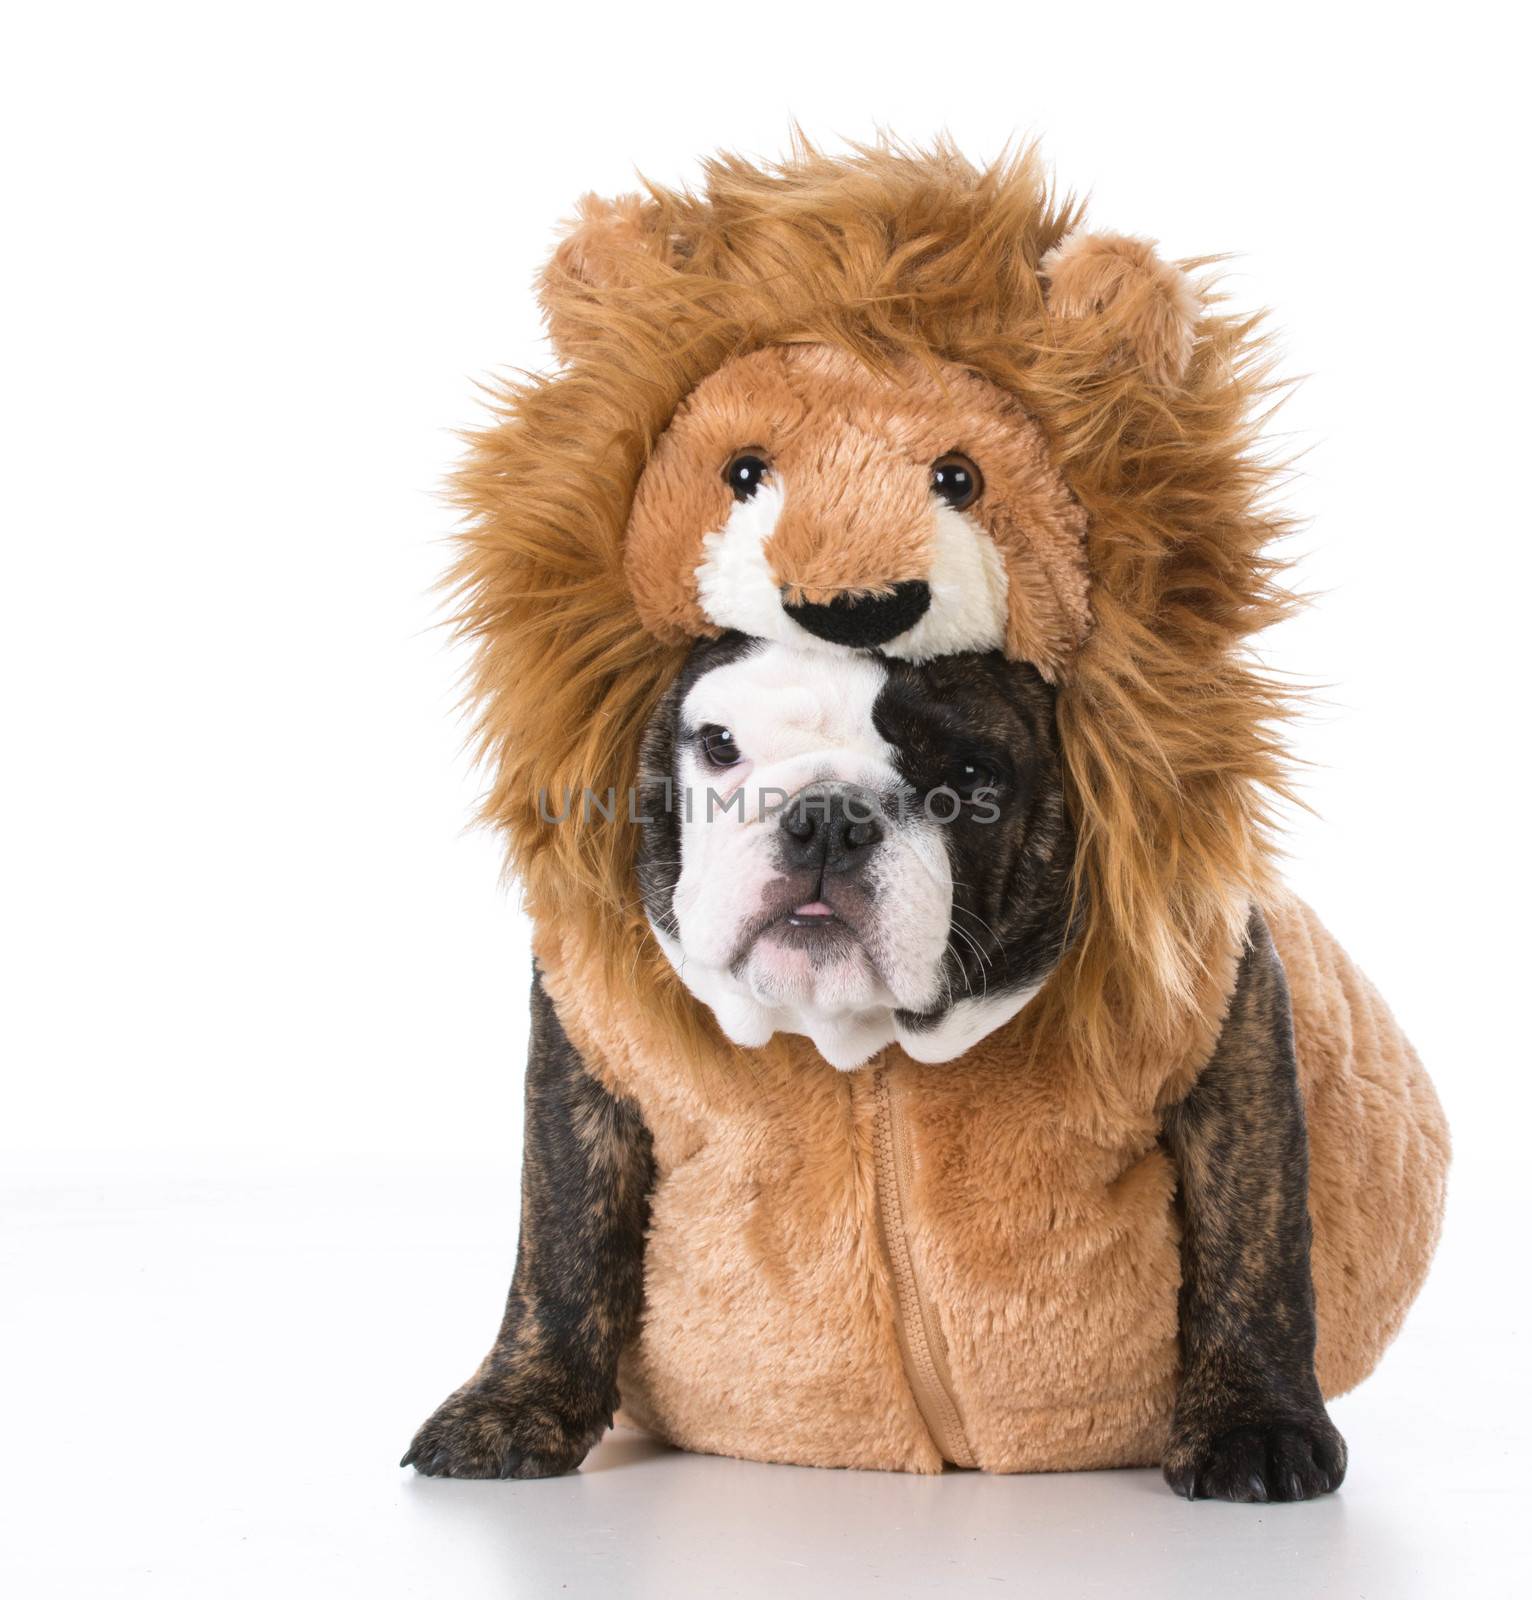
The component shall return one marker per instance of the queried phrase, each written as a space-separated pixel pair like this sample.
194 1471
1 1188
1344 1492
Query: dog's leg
546 1392
1250 1423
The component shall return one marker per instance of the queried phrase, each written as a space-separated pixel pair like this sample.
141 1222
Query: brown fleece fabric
1041 1223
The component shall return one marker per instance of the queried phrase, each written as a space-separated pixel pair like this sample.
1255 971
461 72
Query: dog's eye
718 746
968 777
745 473
955 479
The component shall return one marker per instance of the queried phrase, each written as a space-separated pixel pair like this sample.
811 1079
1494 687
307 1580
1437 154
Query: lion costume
975 1261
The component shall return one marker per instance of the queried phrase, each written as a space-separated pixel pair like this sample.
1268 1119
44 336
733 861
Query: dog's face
799 496
856 849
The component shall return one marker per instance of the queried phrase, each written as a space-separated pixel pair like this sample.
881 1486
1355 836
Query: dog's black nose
834 827
864 621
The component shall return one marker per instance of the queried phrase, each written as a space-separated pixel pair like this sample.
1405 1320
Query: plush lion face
801 496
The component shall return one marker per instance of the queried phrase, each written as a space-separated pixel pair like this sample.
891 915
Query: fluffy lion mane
1152 400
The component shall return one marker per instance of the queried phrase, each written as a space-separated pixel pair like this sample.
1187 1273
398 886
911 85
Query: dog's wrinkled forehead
774 710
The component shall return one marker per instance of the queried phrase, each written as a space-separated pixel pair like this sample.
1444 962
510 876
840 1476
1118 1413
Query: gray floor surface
209 1378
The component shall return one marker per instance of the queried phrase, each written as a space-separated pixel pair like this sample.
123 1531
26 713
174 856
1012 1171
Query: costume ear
1151 308
609 244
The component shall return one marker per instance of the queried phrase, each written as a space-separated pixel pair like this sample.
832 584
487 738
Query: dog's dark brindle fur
546 1392
1249 1421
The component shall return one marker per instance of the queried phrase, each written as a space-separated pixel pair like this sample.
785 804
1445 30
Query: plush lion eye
745 474
718 745
955 479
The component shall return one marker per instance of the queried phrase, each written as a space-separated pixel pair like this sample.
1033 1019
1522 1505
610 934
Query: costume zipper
920 1337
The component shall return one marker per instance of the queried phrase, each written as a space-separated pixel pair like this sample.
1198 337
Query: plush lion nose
863 621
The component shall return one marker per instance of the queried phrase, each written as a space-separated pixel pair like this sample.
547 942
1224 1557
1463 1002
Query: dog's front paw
1280 1459
483 1431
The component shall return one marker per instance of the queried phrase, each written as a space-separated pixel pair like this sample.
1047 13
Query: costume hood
1148 398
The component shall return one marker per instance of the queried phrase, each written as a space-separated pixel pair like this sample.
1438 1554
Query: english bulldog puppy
858 850
869 851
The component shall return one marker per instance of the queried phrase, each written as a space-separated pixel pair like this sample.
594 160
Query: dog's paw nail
1258 1462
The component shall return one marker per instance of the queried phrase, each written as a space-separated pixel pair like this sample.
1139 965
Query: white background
265 1000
